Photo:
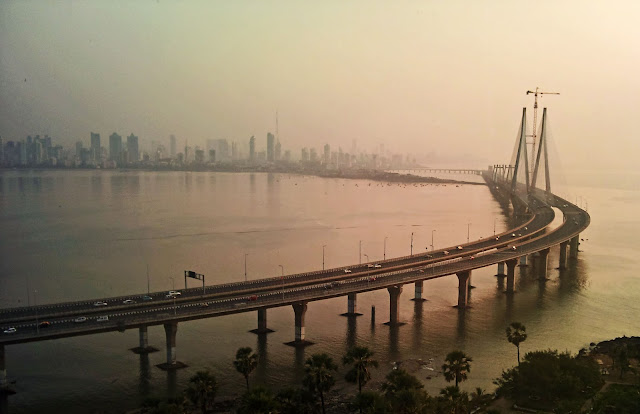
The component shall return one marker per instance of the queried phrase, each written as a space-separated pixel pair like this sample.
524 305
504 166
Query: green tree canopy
360 358
318 378
202 390
516 334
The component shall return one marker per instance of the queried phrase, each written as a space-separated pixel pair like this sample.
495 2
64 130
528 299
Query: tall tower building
115 148
95 147
172 145
132 148
252 148
270 146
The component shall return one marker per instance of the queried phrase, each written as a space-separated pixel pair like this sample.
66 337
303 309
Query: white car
80 319
377 266
10 330
459 247
128 301
370 266
102 318
100 304
347 271
446 252
175 292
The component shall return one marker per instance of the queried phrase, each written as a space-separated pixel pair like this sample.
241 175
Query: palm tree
246 361
359 357
319 379
516 334
456 367
259 400
202 390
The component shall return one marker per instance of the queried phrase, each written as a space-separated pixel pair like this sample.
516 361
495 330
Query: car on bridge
100 304
446 252
252 298
102 318
80 319
44 324
146 298
347 271
128 301
10 330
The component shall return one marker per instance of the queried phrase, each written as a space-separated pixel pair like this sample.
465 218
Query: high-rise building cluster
218 153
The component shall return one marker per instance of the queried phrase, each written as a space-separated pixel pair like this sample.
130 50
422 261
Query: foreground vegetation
549 381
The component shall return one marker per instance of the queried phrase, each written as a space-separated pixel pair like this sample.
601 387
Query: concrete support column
563 256
500 269
171 329
3 368
262 322
511 274
394 301
573 247
542 262
144 337
418 291
463 288
351 305
143 347
300 310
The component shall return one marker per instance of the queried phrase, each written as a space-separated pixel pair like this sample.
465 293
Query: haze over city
420 77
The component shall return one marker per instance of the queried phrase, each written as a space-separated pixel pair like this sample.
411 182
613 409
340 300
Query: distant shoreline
359 174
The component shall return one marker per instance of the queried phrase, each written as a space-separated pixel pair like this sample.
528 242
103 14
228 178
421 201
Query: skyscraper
95 147
252 148
270 146
132 148
172 145
115 148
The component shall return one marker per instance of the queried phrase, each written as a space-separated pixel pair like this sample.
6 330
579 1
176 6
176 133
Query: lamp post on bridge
360 253
245 266
384 252
468 228
323 246
411 244
282 278
367 256
35 300
494 226
432 246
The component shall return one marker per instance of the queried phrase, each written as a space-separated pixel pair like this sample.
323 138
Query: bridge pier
143 347
351 305
418 291
511 274
573 247
300 310
394 301
262 323
464 279
563 256
500 269
542 263
171 329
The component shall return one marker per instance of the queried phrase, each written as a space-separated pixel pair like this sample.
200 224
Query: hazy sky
420 76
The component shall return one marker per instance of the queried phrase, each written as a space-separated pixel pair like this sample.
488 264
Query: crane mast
535 120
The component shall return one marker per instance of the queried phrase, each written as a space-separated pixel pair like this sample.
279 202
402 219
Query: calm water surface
73 235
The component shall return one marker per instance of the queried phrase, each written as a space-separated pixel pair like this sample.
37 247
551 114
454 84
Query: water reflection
144 384
351 337
394 350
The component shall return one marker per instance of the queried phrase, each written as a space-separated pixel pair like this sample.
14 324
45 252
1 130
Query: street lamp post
494 226
282 278
245 266
360 253
411 243
148 280
367 256
384 253
468 228
432 247
323 246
